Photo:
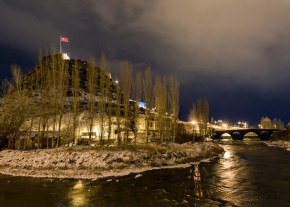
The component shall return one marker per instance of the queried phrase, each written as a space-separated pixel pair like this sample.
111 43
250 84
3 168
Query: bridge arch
226 134
251 132
238 134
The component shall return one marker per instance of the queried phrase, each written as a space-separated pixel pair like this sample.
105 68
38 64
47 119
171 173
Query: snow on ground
93 163
280 143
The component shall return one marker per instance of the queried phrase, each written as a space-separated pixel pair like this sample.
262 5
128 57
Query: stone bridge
238 134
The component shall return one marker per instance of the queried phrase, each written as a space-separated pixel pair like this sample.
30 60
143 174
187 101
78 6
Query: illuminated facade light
193 122
65 56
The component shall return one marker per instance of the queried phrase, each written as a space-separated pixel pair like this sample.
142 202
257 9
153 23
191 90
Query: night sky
235 53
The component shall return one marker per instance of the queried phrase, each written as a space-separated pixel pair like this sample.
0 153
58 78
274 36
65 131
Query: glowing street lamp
225 126
193 122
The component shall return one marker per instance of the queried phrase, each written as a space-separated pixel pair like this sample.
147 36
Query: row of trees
267 123
161 95
35 102
59 94
156 91
199 115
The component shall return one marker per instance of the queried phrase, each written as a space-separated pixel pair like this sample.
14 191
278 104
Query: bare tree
33 105
102 95
193 113
137 89
53 92
44 92
126 81
205 112
148 97
92 96
118 106
109 107
161 104
202 115
280 124
62 93
76 99
275 123
261 121
174 103
14 110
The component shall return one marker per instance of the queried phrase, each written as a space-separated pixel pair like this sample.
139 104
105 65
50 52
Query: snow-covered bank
280 143
94 163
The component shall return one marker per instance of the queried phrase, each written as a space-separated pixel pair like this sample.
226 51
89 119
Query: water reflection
197 182
232 177
78 194
227 155
229 170
247 174
194 185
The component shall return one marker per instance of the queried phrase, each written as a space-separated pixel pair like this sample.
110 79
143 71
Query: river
248 174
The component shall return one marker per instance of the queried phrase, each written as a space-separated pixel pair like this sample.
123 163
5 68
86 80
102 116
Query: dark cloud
223 50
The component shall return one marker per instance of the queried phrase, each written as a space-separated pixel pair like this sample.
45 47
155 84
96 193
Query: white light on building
65 56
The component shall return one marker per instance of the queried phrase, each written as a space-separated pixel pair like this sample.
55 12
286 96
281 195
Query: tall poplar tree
109 107
14 110
118 107
137 89
76 99
148 97
102 95
161 104
173 85
126 81
63 83
92 97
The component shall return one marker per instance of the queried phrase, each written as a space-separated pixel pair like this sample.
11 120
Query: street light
193 122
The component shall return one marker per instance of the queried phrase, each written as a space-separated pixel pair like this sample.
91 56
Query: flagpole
60 45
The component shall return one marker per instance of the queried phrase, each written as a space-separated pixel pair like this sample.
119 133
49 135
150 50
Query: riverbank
93 163
280 143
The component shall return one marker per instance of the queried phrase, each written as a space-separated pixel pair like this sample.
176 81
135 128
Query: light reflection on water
197 181
247 174
78 195
231 177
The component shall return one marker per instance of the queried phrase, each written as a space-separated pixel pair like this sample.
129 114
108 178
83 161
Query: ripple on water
250 174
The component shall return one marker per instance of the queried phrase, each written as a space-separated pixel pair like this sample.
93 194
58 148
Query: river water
248 174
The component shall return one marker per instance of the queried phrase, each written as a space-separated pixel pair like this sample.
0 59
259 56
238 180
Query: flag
63 39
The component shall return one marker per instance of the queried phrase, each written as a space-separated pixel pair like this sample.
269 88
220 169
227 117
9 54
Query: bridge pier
265 135
237 136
